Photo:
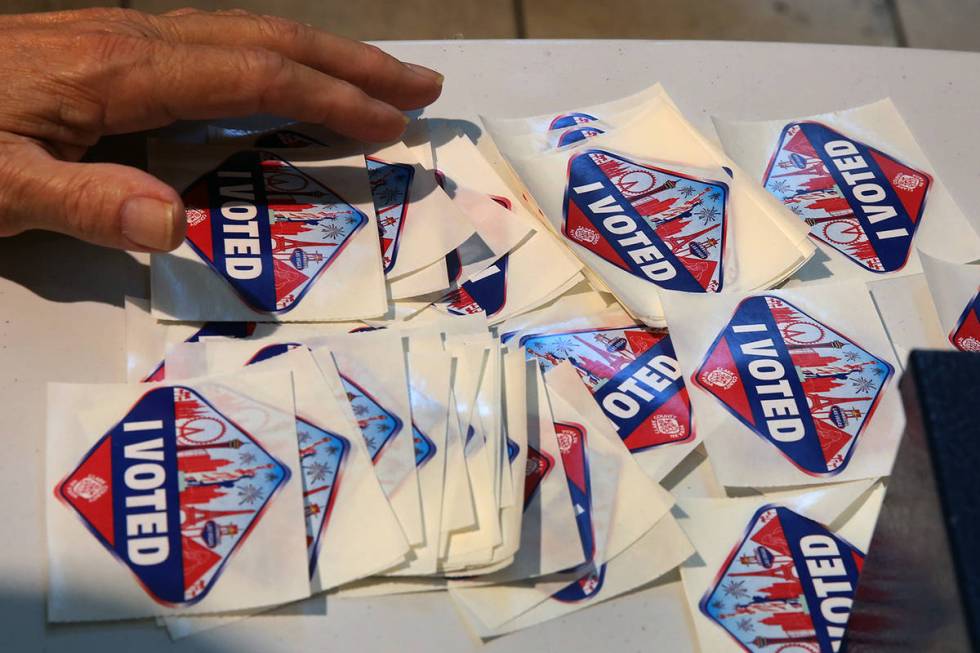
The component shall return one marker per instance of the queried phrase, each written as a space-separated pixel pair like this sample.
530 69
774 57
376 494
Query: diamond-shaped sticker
855 198
797 383
322 455
584 588
425 448
485 292
633 374
391 185
661 225
787 585
575 457
966 335
377 424
539 465
564 120
267 228
172 491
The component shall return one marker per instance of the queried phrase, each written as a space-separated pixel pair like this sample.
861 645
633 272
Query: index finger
406 86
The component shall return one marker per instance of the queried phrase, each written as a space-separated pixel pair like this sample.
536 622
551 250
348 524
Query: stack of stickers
405 369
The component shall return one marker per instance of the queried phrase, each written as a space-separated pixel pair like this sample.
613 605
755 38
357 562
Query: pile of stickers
408 369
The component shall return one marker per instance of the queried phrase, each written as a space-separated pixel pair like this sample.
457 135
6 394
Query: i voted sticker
172 491
539 465
788 585
485 292
425 448
797 383
965 336
322 455
378 425
575 457
391 184
633 374
267 228
563 120
858 200
660 225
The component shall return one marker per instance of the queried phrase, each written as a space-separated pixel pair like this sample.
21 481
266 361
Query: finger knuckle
279 29
263 67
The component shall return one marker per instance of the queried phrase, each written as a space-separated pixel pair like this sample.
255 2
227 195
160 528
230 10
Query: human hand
72 77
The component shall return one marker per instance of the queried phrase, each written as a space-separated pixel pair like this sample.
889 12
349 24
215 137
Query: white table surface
61 315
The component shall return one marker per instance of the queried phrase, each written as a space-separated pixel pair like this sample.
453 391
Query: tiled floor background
947 24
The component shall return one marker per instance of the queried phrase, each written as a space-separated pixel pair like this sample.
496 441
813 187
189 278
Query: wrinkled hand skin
69 78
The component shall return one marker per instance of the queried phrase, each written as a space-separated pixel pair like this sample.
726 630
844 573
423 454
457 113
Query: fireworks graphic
304 436
797 209
735 589
686 191
564 347
381 427
332 450
707 214
718 604
779 186
714 197
745 625
246 458
387 195
851 356
369 442
249 494
332 231
318 472
360 410
863 384
878 371
352 220
271 476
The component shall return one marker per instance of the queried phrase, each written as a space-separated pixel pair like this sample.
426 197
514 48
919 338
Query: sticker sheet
778 570
908 312
790 387
632 373
273 235
652 208
858 180
955 292
168 499
417 222
373 372
429 370
352 531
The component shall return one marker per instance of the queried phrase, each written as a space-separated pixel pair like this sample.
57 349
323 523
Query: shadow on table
62 269
22 631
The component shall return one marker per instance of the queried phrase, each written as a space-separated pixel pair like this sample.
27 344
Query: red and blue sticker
565 120
485 292
577 134
634 376
172 491
965 336
425 448
322 455
857 199
575 457
539 465
660 225
267 228
391 184
797 383
788 585
378 425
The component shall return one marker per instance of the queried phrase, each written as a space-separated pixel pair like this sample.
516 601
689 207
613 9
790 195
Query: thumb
106 204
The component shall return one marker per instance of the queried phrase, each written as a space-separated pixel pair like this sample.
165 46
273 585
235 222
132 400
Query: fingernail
428 73
149 222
